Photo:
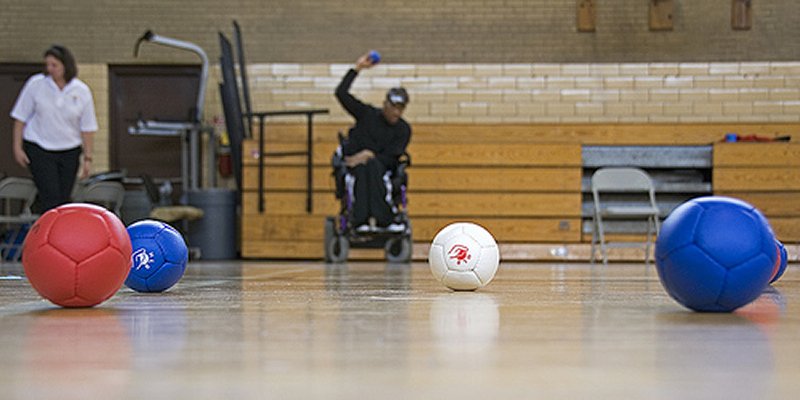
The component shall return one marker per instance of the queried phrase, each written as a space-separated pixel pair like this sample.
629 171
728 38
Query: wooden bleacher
767 175
523 182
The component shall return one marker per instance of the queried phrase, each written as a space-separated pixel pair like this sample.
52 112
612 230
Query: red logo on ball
460 253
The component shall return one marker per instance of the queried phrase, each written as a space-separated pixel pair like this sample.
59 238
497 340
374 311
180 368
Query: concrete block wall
409 31
465 61
733 92
96 77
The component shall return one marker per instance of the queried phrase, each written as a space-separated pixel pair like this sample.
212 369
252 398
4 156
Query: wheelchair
341 235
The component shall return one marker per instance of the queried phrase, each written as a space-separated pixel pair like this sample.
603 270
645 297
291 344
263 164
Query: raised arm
350 103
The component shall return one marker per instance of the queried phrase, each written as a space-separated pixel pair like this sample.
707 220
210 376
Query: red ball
77 255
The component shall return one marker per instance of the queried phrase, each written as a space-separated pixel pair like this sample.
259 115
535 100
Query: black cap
397 96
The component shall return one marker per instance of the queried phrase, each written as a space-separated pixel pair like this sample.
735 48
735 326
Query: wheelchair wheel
398 249
337 249
336 246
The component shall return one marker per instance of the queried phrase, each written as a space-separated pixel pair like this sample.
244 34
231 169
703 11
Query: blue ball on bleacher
159 256
715 254
781 263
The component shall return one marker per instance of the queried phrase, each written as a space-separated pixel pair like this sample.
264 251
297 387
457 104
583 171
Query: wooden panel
288 203
661 15
785 204
277 227
434 204
545 230
627 134
322 153
282 249
490 154
756 155
300 249
586 237
787 230
279 177
586 16
283 177
756 179
496 204
499 179
267 227
741 15
453 154
486 166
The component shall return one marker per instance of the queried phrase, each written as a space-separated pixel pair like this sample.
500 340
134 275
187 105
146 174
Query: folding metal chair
627 181
108 194
17 196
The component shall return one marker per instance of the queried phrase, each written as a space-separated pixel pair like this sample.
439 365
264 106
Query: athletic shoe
363 228
395 228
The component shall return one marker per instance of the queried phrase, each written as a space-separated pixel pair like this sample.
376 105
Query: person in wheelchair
374 145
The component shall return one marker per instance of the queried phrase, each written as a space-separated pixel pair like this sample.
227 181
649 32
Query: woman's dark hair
66 58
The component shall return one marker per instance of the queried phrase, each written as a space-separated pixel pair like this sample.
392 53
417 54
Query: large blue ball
715 254
783 262
159 256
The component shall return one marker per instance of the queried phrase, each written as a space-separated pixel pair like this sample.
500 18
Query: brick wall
96 77
409 31
547 93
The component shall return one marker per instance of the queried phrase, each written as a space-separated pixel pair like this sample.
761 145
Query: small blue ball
374 56
783 262
715 254
159 256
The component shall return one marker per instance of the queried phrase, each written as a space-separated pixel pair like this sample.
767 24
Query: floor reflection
157 326
465 325
766 311
391 279
310 330
373 313
83 350
712 355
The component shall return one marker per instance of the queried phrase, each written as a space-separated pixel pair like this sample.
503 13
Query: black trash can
215 233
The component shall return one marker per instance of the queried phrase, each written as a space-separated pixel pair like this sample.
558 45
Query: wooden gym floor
241 330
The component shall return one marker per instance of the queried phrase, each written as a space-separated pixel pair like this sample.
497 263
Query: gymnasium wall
409 31
465 61
734 93
476 70
700 92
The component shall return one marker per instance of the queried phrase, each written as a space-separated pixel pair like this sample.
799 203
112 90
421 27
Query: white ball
464 256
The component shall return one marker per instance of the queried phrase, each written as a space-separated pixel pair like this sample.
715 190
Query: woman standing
54 123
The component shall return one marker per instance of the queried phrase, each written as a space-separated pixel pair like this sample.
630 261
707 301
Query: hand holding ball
374 57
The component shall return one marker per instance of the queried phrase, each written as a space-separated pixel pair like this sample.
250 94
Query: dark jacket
371 130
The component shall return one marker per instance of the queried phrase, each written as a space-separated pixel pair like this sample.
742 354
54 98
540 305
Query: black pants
370 194
54 174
